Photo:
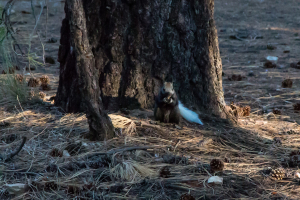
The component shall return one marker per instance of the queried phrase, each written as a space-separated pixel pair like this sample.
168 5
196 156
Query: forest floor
157 161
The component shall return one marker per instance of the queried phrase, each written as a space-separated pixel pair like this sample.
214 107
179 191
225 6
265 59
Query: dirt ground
175 160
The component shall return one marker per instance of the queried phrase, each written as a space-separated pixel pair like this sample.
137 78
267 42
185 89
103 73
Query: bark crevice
138 43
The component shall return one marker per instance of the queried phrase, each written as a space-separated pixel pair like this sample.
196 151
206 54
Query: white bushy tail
188 114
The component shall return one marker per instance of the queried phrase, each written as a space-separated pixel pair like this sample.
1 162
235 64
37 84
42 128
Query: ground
249 31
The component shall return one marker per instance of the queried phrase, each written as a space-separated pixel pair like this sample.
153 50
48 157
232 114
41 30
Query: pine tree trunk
134 45
80 71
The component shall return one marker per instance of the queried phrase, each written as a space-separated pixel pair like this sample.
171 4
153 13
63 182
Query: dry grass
246 156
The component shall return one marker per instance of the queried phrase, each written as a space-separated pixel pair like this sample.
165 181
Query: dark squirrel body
166 105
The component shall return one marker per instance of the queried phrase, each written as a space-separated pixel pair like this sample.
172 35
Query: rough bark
137 43
78 70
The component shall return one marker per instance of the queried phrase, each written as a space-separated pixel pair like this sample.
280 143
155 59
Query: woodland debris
165 172
51 185
45 79
16 188
272 58
11 70
32 68
49 59
235 77
118 188
277 174
216 165
240 111
293 160
31 93
172 159
276 111
269 64
52 40
4 124
75 148
295 65
19 78
287 83
42 95
296 106
251 73
271 47
33 82
277 140
291 132
56 153
66 153
52 168
204 168
45 87
25 12
216 180
10 156
186 197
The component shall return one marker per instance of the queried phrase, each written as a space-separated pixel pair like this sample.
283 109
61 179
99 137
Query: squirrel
168 108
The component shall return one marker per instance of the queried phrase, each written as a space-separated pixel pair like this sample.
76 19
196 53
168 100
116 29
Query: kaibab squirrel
168 108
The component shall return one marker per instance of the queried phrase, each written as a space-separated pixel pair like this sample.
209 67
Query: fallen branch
10 156
113 151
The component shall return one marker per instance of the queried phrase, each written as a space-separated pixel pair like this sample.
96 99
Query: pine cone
187 197
216 165
277 174
33 82
56 153
42 95
19 78
50 186
165 172
45 79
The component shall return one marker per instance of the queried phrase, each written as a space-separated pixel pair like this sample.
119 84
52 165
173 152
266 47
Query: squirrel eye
164 90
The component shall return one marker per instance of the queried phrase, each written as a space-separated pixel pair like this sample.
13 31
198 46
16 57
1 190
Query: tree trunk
135 44
78 69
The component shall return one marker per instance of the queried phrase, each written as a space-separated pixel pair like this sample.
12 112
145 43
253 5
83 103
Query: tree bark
135 44
81 72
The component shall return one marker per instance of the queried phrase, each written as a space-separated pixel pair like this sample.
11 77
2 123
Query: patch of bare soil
257 159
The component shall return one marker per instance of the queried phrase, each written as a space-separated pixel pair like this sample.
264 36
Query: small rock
216 180
49 59
66 153
272 59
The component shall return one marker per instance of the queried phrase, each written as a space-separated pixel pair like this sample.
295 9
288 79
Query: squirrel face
168 91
